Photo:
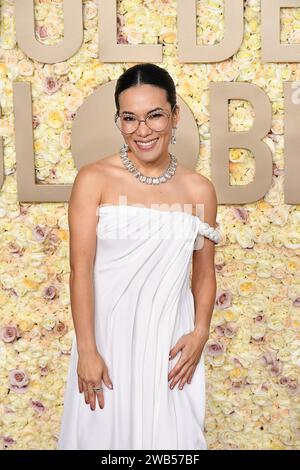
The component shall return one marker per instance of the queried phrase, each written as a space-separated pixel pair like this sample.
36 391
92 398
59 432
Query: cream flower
26 67
55 119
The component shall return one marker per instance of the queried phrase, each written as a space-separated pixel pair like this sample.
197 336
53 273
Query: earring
173 140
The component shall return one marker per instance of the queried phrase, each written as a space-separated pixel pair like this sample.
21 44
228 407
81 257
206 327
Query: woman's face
140 100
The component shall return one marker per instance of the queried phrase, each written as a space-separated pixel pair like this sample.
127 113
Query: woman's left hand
192 345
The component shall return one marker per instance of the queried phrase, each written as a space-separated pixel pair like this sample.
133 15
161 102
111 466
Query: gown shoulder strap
209 232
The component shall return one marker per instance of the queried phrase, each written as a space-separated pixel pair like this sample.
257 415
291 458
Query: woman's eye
128 118
155 115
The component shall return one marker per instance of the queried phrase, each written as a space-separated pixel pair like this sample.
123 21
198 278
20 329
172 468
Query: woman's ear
176 116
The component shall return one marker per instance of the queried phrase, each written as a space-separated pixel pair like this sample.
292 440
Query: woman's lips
145 148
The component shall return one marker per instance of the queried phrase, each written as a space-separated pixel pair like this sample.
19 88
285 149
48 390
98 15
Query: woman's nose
143 129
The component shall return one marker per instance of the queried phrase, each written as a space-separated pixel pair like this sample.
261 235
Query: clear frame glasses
156 121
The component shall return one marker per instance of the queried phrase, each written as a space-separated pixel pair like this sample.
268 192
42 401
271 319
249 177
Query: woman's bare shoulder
199 184
92 177
103 166
109 163
200 191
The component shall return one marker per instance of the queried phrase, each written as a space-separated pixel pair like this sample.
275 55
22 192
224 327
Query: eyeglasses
156 121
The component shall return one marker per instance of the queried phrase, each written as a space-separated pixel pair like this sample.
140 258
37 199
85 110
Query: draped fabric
142 305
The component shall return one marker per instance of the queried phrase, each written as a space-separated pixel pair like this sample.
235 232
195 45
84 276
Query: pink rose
9 333
219 267
293 387
296 302
291 384
283 380
269 357
260 318
276 368
51 85
44 371
42 32
214 348
241 214
19 380
39 233
53 238
14 248
224 299
50 293
60 329
38 406
230 329
220 330
122 38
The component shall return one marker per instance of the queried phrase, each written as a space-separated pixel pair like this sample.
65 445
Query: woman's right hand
91 371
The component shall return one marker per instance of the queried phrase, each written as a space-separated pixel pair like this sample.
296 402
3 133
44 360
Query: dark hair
146 74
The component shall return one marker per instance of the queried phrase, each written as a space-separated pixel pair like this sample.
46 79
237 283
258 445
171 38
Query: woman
136 376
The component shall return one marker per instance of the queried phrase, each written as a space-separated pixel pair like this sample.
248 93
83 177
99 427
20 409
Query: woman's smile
146 145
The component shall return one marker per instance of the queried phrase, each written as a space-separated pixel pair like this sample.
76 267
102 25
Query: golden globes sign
95 136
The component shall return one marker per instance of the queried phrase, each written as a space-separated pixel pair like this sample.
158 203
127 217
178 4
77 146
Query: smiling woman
156 120
140 329
147 128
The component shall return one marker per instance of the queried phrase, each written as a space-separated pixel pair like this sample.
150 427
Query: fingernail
110 386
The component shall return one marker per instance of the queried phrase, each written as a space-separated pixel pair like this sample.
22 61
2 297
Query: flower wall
253 354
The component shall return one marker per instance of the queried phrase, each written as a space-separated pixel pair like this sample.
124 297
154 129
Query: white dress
143 305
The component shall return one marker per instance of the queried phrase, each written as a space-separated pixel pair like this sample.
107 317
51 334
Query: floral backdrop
253 354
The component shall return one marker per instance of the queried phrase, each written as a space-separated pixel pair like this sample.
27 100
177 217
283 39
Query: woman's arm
203 288
203 267
82 217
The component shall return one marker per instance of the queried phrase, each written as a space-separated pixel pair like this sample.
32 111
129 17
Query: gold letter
272 49
73 32
189 51
28 190
292 142
222 140
110 51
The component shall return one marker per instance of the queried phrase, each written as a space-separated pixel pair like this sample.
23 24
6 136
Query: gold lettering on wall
188 49
94 134
28 189
291 142
110 51
222 140
272 49
25 31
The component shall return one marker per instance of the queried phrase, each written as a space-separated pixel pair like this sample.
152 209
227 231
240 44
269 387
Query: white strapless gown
143 305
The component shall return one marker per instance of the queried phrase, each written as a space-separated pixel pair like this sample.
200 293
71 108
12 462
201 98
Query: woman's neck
151 168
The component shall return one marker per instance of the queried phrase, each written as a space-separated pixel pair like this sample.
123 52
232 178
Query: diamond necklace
130 166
